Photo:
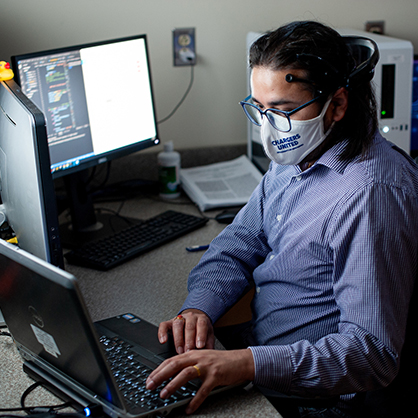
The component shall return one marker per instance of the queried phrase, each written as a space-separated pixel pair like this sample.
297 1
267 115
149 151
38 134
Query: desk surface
152 286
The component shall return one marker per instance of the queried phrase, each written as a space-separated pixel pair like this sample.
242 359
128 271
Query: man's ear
339 104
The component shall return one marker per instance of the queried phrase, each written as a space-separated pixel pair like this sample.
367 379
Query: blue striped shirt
332 252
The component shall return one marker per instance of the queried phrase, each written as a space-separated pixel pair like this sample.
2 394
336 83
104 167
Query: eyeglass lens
279 120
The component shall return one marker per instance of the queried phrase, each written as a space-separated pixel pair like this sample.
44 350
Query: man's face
270 90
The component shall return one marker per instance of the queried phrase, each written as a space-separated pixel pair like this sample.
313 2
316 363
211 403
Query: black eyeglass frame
283 113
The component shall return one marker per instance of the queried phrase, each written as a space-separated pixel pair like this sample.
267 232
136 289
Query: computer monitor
26 186
98 104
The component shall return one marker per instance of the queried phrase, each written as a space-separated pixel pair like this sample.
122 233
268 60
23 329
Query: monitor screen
97 100
98 104
26 186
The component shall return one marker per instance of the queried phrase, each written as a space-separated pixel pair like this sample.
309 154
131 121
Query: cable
39 409
29 390
50 411
182 99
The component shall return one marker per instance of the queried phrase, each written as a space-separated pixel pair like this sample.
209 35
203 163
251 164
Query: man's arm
374 270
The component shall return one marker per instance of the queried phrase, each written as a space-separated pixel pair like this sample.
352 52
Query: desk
152 286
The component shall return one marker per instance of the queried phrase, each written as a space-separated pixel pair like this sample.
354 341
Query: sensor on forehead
290 78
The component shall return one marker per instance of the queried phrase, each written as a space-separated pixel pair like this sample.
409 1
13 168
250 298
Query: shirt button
279 217
298 178
257 289
271 257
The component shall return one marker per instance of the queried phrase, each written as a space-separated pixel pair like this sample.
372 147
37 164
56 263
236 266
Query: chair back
398 398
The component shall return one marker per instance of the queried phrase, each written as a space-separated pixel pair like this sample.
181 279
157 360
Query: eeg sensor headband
365 54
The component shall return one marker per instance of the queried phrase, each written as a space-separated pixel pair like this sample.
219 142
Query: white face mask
290 148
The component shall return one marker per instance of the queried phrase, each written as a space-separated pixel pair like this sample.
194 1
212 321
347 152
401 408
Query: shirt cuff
207 302
273 367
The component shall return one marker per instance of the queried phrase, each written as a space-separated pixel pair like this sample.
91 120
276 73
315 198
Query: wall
210 115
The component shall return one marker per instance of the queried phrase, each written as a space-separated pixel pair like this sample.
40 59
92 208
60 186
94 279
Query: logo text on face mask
283 143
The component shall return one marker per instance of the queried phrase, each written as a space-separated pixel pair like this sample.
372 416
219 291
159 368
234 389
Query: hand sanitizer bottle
169 172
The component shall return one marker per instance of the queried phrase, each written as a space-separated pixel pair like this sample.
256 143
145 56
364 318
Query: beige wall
211 114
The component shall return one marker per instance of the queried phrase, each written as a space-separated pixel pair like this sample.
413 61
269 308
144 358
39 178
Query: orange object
6 72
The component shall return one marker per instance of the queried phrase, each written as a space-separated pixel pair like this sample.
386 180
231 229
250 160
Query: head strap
365 55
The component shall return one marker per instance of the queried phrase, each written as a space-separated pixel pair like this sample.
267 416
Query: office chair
399 397
395 400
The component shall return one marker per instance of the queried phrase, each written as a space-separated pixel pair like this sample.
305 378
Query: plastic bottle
169 172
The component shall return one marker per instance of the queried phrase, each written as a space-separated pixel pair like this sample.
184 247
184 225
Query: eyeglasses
279 119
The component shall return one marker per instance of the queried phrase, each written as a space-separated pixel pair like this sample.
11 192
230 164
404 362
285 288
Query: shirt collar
331 159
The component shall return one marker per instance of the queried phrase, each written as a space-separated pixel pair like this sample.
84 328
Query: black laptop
105 363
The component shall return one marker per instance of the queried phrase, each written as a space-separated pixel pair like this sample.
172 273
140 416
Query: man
328 238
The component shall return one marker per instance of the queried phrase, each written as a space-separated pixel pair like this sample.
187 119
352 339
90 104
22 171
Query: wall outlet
184 47
375 26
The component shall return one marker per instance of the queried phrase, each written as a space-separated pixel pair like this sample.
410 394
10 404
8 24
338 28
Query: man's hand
192 329
213 367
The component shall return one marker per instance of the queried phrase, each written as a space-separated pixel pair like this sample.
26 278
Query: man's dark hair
326 59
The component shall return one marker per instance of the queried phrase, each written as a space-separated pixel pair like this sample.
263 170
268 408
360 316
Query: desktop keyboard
136 239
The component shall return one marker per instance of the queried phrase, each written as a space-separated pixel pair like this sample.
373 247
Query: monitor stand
86 224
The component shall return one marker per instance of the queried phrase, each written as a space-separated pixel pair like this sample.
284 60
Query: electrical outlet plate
184 47
375 26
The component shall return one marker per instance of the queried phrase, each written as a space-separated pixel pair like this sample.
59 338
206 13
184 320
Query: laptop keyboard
131 375
136 239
